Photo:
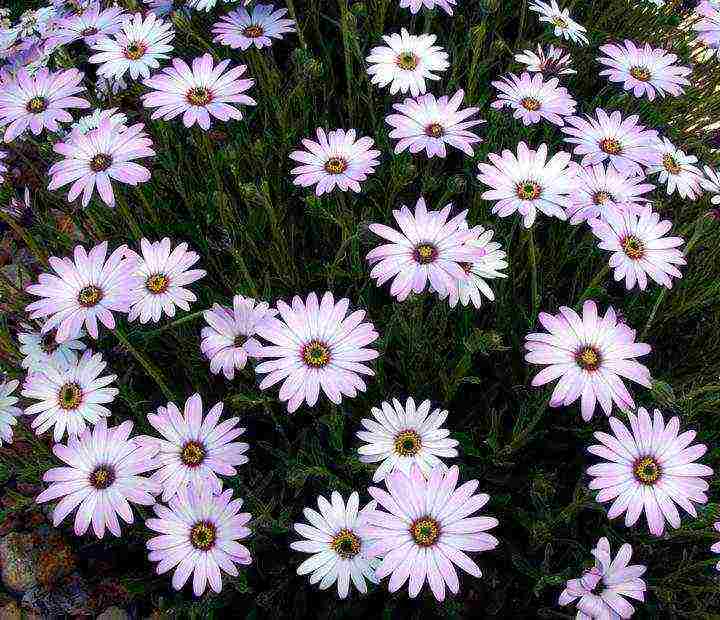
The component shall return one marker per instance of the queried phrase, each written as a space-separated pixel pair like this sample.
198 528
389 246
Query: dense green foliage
230 195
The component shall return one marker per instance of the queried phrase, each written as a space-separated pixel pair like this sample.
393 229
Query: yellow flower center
316 354
36 105
530 103
253 31
90 296
633 247
425 253
528 190
611 146
157 283
425 531
102 477
336 165
434 130
88 32
70 396
192 454
346 544
647 470
600 198
135 50
588 358
203 535
239 341
199 96
407 61
559 22
100 162
407 443
671 164
640 73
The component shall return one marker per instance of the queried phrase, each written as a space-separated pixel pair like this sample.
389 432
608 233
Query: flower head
551 63
676 169
92 121
316 346
8 411
41 350
337 548
90 25
711 182
3 167
707 25
416 5
563 25
649 468
716 547
100 479
161 8
258 26
532 98
229 339
590 356
337 159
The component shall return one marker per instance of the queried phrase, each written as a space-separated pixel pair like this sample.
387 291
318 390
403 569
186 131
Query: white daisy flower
676 169
564 25
553 62
8 411
711 182
258 26
42 350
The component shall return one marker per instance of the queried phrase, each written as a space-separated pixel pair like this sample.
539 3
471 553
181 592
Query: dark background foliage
229 193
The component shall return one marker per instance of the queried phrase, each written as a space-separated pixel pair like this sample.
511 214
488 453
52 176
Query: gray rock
61 599
18 562
114 613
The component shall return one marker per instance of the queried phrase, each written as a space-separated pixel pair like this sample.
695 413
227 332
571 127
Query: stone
19 562
114 613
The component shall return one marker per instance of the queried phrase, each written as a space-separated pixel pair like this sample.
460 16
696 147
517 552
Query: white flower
8 411
564 26
676 169
711 182
42 350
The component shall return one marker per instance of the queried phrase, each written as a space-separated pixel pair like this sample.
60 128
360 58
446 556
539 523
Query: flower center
671 164
434 130
316 354
192 454
253 31
37 105
203 535
135 50
611 146
239 341
528 190
425 531
70 396
102 477
90 31
336 165
425 253
100 162
588 358
407 61
466 267
346 544
90 296
199 96
640 73
633 247
647 470
157 283
530 103
48 344
600 198
407 443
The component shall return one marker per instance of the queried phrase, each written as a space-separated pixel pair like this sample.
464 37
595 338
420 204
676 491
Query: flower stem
149 367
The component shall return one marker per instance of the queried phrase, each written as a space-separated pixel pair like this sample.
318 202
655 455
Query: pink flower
427 529
590 356
84 290
707 25
553 62
199 93
676 169
40 101
90 25
101 478
534 99
649 468
316 345
3 167
258 26
8 410
416 5
716 547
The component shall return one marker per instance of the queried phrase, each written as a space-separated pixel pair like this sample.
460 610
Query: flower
199 93
429 124
402 435
161 275
194 450
528 183
208 5
136 48
101 478
92 121
198 535
83 291
716 547
229 339
711 182
707 25
428 248
316 346
416 5
603 589
94 158
676 169
335 160
649 468
553 62
590 356
406 62
599 190
534 99
90 25
258 26
336 545
3 167
8 411
69 396
625 142
161 8
639 247
563 25
427 529
109 87
40 350
646 71
39 102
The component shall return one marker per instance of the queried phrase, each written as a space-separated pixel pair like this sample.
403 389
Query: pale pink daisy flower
208 5
39 101
639 247
627 144
649 468
198 93
258 26
646 71
399 436
599 190
194 449
171 8
406 62
337 159
161 275
590 356
532 98
427 530
716 547
552 62
90 25
676 169
603 590
416 5
92 121
429 124
528 182
8 410
41 350
136 48
563 25
198 534
707 25
337 548
95 158
316 345
711 182
70 397
229 339
101 478
84 290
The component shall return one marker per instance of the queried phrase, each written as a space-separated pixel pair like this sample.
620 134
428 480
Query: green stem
293 14
149 367
595 281
535 296
186 319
